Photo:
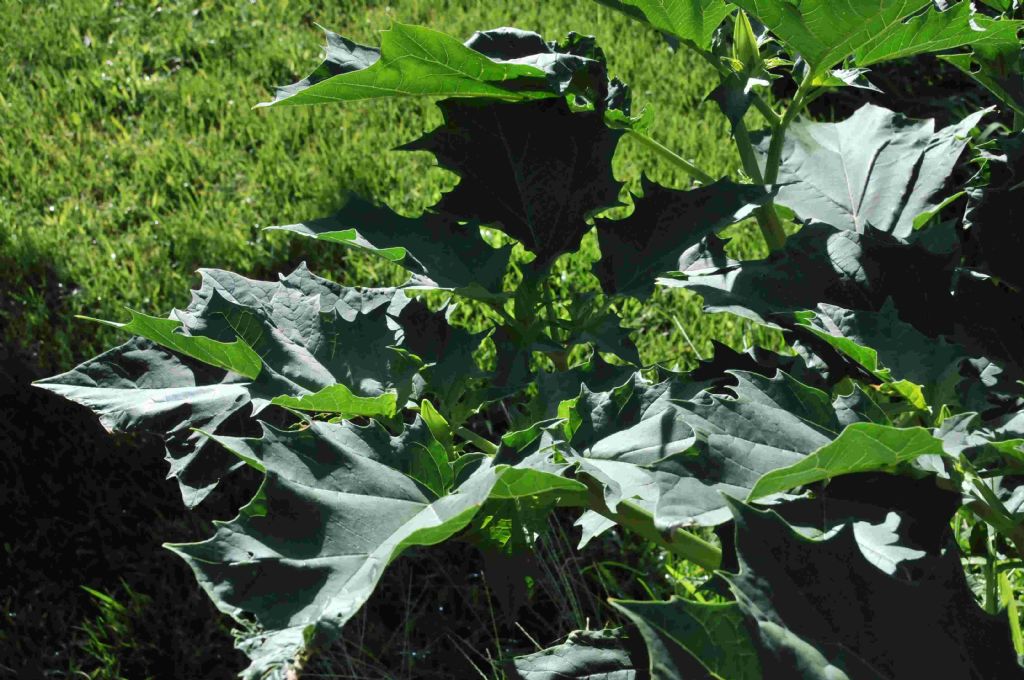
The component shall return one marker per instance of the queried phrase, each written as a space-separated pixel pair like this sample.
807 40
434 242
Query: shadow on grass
81 508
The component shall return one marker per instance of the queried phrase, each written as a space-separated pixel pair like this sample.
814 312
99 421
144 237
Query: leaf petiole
628 515
671 156
774 120
481 443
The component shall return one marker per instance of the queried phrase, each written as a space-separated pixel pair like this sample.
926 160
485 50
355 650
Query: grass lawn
130 155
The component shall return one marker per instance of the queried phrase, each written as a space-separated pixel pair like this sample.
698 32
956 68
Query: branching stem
767 218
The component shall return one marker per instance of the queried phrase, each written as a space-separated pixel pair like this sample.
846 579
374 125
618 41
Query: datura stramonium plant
893 275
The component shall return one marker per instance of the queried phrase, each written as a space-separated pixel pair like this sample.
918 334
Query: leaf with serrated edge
437 249
861 447
678 632
290 326
412 61
236 356
935 31
536 170
675 454
336 507
664 224
823 264
339 399
767 424
139 387
1000 72
825 32
821 610
889 348
691 20
876 169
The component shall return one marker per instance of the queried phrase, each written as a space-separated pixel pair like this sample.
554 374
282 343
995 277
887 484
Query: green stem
483 444
767 218
671 156
1009 600
1018 121
991 584
1015 534
680 542
627 514
746 150
771 227
774 120
774 159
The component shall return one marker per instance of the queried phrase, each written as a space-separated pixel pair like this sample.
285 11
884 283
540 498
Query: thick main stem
767 218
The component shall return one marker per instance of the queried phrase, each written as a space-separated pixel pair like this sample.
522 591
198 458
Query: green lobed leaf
140 387
664 224
764 425
679 633
236 356
876 169
306 346
825 33
999 71
890 349
690 20
936 30
861 447
536 170
861 271
823 264
447 351
994 212
337 505
411 61
436 249
676 451
989 323
575 66
559 386
340 400
321 345
1001 5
